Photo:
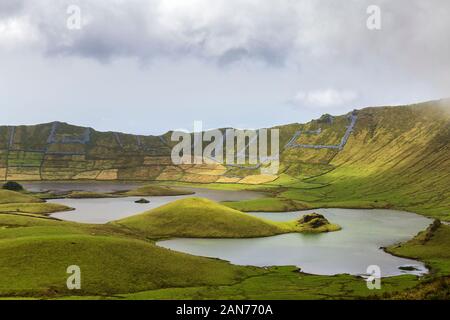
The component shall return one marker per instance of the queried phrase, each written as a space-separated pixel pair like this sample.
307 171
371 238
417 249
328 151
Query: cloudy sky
147 66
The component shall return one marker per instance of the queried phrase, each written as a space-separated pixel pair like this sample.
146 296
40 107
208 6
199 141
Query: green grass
221 186
88 195
35 253
33 208
7 196
197 217
43 261
287 283
431 246
267 205
21 203
202 218
155 190
21 158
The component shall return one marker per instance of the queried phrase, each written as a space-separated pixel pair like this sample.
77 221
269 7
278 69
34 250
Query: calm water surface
350 250
104 210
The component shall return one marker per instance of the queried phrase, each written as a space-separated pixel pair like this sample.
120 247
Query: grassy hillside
197 217
35 253
202 218
284 283
396 157
154 190
7 196
18 203
431 246
267 205
33 208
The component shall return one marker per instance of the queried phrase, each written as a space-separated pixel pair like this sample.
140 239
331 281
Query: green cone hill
203 218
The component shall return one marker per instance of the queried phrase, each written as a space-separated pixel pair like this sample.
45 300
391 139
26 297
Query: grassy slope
7 196
283 283
433 247
34 208
20 203
397 157
154 190
287 283
34 255
198 217
267 205
88 195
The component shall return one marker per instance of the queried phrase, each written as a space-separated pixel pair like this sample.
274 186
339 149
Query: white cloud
216 60
283 32
325 98
17 31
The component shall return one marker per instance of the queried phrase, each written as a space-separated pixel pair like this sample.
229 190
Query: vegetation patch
431 246
33 208
202 218
89 195
155 190
12 186
197 217
35 253
7 196
285 283
267 205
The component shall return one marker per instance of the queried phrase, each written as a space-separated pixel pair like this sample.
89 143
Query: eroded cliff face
393 147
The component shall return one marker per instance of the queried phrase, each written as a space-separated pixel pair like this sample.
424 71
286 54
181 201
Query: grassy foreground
287 283
35 253
432 246
120 262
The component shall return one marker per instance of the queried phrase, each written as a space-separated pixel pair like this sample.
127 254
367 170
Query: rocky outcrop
313 220
142 200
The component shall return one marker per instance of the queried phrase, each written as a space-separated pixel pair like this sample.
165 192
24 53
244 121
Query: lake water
350 250
103 210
